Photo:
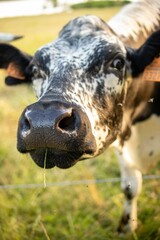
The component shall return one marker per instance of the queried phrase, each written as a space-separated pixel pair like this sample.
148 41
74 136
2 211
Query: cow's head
80 83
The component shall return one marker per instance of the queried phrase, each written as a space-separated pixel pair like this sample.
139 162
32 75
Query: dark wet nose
51 124
45 116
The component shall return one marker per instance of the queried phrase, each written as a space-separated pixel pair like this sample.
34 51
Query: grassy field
82 212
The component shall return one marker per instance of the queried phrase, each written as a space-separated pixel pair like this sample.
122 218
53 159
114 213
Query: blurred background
64 212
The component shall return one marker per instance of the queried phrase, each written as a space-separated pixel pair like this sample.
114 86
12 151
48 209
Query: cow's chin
50 158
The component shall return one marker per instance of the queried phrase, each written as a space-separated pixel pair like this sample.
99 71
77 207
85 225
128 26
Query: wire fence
72 183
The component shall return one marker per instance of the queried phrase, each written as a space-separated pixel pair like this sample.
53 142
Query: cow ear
143 56
15 62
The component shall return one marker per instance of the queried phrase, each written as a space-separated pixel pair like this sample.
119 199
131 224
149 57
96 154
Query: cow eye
118 63
35 70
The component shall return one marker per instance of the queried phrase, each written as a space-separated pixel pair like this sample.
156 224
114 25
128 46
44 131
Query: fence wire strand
72 183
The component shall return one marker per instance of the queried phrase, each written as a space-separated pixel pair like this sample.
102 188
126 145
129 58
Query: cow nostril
26 125
68 123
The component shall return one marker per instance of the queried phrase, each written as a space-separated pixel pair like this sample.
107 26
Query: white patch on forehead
40 86
37 86
112 84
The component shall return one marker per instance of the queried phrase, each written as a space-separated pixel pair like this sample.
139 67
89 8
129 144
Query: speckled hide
90 96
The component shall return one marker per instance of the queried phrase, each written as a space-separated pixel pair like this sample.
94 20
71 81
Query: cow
90 95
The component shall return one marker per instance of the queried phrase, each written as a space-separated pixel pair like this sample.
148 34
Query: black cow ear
15 62
143 56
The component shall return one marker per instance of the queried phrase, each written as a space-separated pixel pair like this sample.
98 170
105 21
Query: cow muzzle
55 134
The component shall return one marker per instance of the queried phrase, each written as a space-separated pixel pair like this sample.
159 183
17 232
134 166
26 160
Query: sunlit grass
83 212
42 29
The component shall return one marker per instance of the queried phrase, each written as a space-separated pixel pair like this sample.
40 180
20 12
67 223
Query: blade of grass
44 230
45 162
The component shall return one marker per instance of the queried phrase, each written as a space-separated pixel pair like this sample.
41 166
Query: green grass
98 4
83 212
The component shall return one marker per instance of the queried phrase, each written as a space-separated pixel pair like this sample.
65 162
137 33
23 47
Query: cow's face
79 82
